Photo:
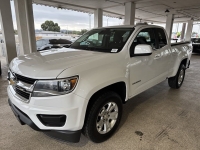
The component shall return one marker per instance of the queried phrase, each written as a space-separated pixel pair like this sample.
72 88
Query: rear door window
145 36
161 37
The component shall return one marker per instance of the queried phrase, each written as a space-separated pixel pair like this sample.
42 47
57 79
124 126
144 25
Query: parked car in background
45 44
196 44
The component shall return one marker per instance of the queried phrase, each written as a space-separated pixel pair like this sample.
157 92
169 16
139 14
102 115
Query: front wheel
103 117
176 81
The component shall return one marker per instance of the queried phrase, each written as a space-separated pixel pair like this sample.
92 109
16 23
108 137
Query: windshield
110 40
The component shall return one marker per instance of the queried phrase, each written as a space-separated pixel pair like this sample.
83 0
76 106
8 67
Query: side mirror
143 50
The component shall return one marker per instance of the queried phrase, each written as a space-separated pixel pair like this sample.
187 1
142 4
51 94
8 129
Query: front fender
97 74
92 90
90 83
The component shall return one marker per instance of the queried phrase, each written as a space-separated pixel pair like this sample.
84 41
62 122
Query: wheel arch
119 87
183 61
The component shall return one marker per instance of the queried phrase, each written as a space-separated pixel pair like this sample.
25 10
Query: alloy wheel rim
181 76
107 117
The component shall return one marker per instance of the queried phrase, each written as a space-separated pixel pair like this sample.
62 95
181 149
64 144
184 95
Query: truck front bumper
71 136
72 106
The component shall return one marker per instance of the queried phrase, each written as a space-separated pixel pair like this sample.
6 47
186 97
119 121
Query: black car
196 44
45 44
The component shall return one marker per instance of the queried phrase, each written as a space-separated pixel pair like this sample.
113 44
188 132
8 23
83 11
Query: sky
73 20
66 19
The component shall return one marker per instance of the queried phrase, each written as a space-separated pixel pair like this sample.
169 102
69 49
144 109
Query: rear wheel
176 81
103 117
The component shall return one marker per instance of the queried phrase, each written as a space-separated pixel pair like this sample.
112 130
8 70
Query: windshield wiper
93 49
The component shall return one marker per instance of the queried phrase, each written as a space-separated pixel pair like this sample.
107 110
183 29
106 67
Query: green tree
73 32
77 32
83 31
50 26
178 34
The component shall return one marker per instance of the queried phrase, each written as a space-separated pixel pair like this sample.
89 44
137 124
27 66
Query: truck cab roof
130 26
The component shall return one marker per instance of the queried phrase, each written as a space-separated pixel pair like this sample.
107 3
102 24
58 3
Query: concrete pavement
158 119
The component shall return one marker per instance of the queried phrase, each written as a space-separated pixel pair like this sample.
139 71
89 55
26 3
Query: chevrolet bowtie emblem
12 82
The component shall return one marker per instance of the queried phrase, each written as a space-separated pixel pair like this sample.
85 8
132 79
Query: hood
49 64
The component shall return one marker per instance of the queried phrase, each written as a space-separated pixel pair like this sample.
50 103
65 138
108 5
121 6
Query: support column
25 26
129 13
98 17
183 31
189 30
31 25
8 30
169 25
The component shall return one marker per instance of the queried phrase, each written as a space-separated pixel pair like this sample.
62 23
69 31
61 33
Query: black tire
174 81
90 126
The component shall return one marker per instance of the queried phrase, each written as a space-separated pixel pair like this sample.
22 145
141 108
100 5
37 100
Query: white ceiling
146 10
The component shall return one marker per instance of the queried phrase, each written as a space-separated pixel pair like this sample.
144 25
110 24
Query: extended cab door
162 53
147 71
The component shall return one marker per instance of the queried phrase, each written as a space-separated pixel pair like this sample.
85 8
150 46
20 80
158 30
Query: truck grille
23 86
25 79
22 93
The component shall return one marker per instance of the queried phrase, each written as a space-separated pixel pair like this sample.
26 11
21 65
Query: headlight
45 88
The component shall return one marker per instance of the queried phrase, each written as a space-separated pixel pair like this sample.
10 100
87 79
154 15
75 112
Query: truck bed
180 43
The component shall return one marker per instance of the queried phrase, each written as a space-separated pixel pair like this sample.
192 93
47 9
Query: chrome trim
26 86
20 85
19 96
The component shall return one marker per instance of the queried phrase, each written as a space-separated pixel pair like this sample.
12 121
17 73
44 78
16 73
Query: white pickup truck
81 89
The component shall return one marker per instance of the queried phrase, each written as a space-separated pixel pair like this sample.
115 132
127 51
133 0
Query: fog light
52 120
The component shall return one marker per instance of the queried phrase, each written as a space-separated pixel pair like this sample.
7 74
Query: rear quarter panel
179 53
